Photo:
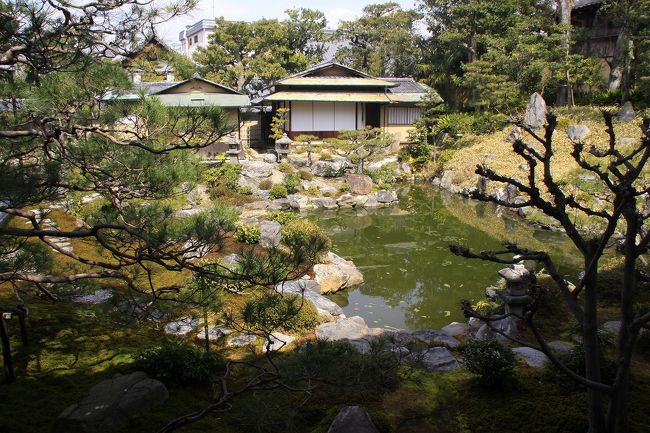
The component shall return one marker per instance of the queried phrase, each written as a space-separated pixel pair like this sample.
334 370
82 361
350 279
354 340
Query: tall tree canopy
250 55
383 42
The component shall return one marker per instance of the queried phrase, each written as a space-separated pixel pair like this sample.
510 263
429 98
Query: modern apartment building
195 36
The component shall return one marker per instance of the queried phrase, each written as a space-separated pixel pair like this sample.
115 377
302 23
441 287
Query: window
403 115
196 39
190 42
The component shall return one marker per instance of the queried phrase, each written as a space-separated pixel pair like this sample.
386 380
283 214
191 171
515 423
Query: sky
251 10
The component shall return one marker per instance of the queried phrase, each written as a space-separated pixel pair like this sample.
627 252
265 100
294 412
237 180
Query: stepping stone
242 340
98 297
181 327
277 341
352 419
532 357
214 333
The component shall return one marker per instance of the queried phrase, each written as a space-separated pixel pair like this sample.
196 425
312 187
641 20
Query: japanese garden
419 216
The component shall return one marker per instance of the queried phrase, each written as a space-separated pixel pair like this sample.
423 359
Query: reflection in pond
412 281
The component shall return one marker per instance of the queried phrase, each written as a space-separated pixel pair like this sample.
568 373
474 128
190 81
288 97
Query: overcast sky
250 10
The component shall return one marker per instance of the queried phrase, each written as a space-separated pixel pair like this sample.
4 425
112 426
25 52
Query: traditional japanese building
331 97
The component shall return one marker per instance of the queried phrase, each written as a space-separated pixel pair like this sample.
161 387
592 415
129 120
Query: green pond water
412 281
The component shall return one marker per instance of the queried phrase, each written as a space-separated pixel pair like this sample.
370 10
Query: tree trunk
591 346
617 411
565 95
6 351
205 329
617 64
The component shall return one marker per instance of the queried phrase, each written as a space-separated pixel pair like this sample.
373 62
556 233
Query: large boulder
329 168
436 337
297 160
535 116
347 201
299 202
359 184
438 359
325 203
242 340
277 341
578 133
386 197
280 204
352 419
447 180
270 158
626 113
455 329
310 289
259 169
532 357
110 404
349 328
337 275
270 234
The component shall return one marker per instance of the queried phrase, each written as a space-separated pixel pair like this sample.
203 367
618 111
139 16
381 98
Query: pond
412 281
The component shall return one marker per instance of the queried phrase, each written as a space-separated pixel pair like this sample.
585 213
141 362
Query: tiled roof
405 85
584 3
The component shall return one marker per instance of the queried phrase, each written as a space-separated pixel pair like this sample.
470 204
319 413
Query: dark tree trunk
6 351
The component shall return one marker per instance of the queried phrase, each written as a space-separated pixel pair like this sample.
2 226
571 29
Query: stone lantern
233 149
518 282
282 146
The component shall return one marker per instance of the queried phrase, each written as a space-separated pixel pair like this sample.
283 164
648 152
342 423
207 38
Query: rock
325 203
626 113
613 326
280 204
588 177
257 205
328 189
455 329
349 328
214 333
332 258
270 158
361 346
231 261
523 167
377 165
328 168
438 359
447 180
242 340
627 141
535 116
560 346
578 133
110 404
347 201
312 294
511 193
359 184
181 327
435 182
474 324
491 293
482 184
371 202
258 169
277 341
532 357
385 196
99 296
270 234
330 278
508 326
297 161
299 202
406 169
514 135
352 419
433 336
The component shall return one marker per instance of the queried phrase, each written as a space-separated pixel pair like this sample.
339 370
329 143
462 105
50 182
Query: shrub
285 167
485 307
282 216
312 191
246 190
278 191
489 359
226 175
454 124
175 363
575 361
271 311
325 155
265 184
306 241
247 233
344 187
305 174
291 182
385 174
